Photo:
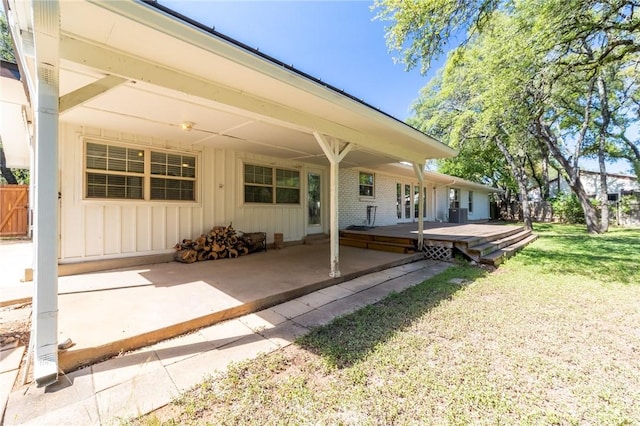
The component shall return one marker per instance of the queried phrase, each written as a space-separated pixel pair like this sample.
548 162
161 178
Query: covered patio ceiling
140 69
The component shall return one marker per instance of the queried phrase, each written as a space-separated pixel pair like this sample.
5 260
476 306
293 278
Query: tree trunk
545 190
606 119
7 174
590 214
604 193
521 179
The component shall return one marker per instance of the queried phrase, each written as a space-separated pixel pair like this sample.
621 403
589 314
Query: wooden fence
14 210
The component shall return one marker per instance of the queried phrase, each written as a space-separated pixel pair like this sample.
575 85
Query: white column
46 25
419 171
332 150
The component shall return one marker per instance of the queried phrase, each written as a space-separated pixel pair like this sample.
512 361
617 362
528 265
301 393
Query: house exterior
617 184
136 145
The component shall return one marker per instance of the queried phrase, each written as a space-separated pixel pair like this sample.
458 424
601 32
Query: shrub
567 208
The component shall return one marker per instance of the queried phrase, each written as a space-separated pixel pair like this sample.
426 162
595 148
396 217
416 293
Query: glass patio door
314 202
404 202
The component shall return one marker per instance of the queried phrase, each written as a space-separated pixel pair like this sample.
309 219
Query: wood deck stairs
378 242
495 249
491 249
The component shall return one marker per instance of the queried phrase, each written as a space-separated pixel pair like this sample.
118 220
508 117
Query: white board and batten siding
93 229
480 202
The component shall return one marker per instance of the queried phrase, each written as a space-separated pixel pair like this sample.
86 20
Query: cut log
254 241
202 255
186 256
219 242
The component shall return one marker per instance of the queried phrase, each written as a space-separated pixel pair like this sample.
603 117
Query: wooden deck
481 242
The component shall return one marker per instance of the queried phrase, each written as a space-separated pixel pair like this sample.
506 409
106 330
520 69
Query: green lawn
551 337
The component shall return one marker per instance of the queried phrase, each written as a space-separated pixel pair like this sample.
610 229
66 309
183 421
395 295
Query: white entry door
315 202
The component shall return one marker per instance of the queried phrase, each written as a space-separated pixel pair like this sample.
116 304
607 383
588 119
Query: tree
541 62
6 44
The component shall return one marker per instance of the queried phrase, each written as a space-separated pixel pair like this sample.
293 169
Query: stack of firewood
219 243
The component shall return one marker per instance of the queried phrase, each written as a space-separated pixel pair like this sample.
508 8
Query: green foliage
628 204
423 28
537 78
6 46
567 208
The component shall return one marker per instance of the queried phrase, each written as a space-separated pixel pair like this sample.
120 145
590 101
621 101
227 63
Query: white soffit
147 34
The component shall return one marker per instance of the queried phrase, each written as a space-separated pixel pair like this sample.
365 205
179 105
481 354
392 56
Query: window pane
287 196
172 189
366 184
118 165
366 178
114 186
158 163
158 169
135 166
117 152
99 163
258 174
174 170
288 178
134 188
97 150
188 161
258 194
188 171
174 160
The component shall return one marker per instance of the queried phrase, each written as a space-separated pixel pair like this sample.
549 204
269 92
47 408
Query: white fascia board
459 182
171 26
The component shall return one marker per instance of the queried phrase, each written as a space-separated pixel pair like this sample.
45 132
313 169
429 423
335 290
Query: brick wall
353 208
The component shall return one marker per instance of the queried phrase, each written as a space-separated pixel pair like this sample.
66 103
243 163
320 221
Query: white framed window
270 185
119 172
470 202
454 198
367 184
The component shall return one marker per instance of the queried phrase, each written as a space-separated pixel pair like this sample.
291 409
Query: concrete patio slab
141 381
155 302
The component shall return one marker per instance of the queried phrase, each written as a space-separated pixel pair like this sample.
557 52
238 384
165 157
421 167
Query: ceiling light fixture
186 126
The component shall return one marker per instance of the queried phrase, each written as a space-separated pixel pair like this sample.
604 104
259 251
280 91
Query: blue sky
336 41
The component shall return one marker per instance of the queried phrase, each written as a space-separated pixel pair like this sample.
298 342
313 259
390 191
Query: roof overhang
440 179
140 69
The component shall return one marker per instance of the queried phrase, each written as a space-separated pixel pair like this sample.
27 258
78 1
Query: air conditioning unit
458 215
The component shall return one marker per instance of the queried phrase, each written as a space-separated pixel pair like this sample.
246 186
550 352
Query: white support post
46 25
332 150
419 171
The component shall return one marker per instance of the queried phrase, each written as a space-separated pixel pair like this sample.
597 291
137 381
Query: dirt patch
15 325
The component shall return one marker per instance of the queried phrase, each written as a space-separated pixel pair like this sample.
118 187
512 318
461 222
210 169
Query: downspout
46 29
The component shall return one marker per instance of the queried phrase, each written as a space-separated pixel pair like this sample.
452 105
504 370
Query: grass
551 337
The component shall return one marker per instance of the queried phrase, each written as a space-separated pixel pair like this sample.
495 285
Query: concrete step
497 257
